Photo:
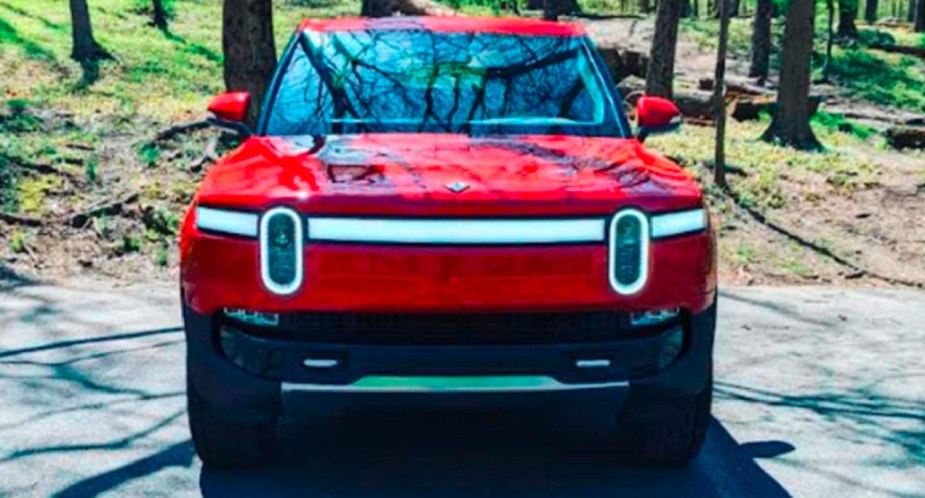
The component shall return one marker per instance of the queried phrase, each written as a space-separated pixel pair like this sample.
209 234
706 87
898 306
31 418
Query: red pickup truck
447 211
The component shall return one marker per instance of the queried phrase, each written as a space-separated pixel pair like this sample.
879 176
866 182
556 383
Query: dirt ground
867 206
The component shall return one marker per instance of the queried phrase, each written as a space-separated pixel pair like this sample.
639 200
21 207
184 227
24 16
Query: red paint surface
656 112
455 24
406 175
230 106
220 272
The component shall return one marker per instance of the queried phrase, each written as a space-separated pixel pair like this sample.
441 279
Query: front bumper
250 377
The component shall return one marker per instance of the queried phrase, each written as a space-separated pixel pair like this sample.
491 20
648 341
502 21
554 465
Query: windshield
420 81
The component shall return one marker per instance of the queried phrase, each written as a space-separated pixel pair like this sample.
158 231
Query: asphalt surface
820 392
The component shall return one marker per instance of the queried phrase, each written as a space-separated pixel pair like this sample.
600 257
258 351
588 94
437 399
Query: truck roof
448 24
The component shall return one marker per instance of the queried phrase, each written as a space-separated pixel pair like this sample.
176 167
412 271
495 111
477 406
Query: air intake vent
629 251
281 250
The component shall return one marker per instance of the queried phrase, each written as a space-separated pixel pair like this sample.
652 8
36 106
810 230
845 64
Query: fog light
671 349
253 317
649 318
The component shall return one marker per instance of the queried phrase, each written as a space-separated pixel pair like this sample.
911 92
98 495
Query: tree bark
829 40
376 8
664 43
847 15
761 42
250 52
535 4
870 11
159 16
686 9
910 14
719 100
919 24
85 49
552 9
644 7
790 125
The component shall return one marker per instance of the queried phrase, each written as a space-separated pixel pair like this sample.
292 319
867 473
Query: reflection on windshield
420 81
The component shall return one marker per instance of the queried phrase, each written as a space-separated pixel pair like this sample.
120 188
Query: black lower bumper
247 376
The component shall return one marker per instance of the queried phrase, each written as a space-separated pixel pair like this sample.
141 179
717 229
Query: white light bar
667 225
446 231
224 221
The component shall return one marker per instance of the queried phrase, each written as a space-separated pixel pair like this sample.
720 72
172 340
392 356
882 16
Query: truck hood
447 175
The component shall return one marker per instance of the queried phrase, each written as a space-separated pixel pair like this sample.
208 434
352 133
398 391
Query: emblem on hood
457 187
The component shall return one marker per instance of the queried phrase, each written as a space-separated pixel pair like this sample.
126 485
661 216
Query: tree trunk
552 9
719 100
847 15
761 42
159 17
85 49
376 8
734 8
870 11
535 4
919 24
910 14
830 9
250 53
644 7
686 9
661 61
790 125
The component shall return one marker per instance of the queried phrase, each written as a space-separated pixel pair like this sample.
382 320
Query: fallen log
15 219
178 129
614 62
749 109
107 207
900 49
423 8
879 115
695 104
905 137
42 168
635 63
736 87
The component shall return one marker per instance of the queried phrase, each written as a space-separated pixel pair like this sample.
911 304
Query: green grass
837 122
881 78
873 75
768 167
165 76
705 33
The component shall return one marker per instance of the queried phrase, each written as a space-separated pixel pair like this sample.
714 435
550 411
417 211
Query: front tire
227 444
671 438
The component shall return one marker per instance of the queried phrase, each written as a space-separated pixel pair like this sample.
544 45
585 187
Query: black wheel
673 437
223 444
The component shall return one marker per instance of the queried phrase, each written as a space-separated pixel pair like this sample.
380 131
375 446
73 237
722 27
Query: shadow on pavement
10 280
475 457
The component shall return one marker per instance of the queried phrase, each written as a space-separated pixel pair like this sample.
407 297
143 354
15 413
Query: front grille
448 329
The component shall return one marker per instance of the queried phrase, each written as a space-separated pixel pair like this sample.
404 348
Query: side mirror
229 110
656 115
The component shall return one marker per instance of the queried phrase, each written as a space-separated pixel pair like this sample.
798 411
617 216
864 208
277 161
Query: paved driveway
820 392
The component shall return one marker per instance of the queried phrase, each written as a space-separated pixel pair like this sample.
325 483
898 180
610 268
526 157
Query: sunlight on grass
166 76
766 164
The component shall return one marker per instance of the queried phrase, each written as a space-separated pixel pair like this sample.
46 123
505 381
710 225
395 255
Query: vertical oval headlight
281 250
628 259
